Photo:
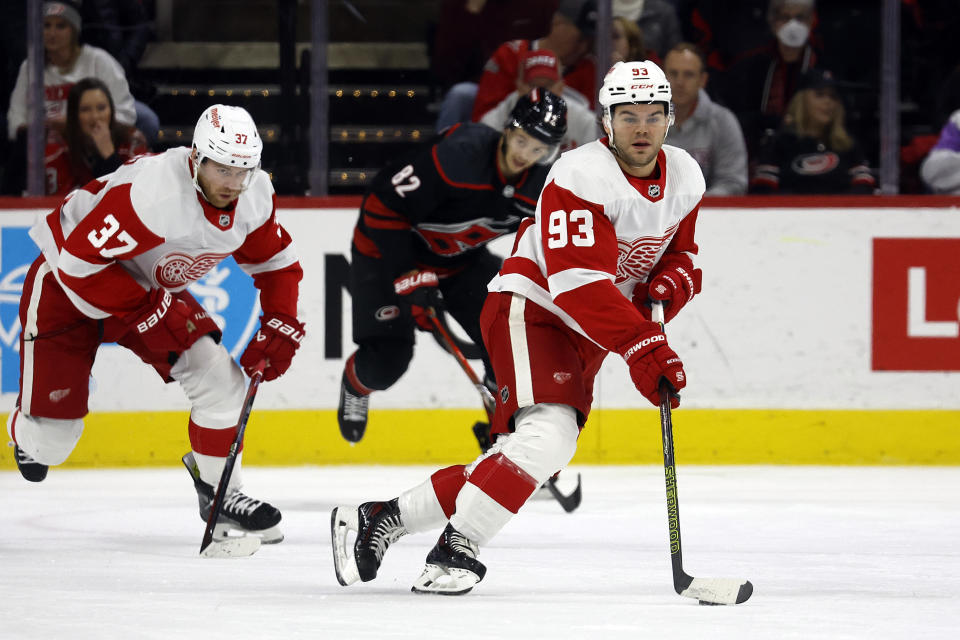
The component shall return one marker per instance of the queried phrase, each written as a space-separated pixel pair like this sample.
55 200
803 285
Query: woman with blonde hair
627 42
812 153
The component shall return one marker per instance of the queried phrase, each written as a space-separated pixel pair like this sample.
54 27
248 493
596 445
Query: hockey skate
240 513
30 469
452 567
352 412
377 525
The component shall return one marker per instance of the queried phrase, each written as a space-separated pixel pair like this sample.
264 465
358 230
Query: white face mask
794 33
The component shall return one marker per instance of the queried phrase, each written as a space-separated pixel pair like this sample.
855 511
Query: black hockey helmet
542 114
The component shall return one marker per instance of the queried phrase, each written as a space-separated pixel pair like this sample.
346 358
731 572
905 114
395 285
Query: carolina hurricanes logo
636 259
178 269
385 314
814 164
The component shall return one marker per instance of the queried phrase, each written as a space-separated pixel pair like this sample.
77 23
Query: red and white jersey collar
653 186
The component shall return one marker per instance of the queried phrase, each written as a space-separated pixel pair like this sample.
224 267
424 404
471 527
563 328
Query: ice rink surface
832 552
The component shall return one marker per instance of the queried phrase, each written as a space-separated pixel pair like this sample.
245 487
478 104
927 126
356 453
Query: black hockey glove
419 291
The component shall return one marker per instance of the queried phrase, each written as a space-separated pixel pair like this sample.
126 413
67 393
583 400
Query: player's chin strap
481 430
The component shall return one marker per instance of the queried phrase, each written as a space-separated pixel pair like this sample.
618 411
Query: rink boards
824 335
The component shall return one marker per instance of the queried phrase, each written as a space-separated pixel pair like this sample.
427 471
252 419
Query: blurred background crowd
771 96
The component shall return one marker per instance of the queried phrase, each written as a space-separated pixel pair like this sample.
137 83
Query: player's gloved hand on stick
420 291
276 341
675 286
163 322
650 359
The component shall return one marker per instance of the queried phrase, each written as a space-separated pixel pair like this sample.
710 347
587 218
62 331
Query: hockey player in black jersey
420 239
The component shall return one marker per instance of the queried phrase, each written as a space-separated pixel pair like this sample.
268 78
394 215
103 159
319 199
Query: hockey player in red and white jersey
117 257
614 228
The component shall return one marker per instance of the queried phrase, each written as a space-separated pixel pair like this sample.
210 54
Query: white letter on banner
917 324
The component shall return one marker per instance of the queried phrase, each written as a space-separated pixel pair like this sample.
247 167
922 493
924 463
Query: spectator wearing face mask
762 82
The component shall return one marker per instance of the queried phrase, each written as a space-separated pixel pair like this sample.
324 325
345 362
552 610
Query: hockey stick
469 350
236 546
705 590
482 432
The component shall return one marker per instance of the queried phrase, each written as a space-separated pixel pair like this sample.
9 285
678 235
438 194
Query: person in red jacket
570 39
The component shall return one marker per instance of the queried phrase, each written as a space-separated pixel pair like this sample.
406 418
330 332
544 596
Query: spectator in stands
707 131
122 28
940 170
627 41
67 61
657 20
570 39
813 153
13 47
542 69
468 32
760 85
724 31
92 143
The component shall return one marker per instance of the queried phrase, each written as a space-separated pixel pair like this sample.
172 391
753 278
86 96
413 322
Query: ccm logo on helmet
646 342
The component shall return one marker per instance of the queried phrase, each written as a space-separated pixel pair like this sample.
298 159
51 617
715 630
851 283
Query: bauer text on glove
164 323
276 341
420 292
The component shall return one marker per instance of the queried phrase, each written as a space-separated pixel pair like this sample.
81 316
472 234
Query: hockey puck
709 604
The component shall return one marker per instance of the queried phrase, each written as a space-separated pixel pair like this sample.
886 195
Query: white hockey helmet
639 82
227 135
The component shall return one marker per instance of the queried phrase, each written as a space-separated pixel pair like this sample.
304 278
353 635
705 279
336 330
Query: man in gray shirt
703 128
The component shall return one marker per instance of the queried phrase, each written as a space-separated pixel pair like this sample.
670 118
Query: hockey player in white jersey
614 228
116 258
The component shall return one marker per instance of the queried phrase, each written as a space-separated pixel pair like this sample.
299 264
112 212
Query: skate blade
238 547
343 520
443 581
228 531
